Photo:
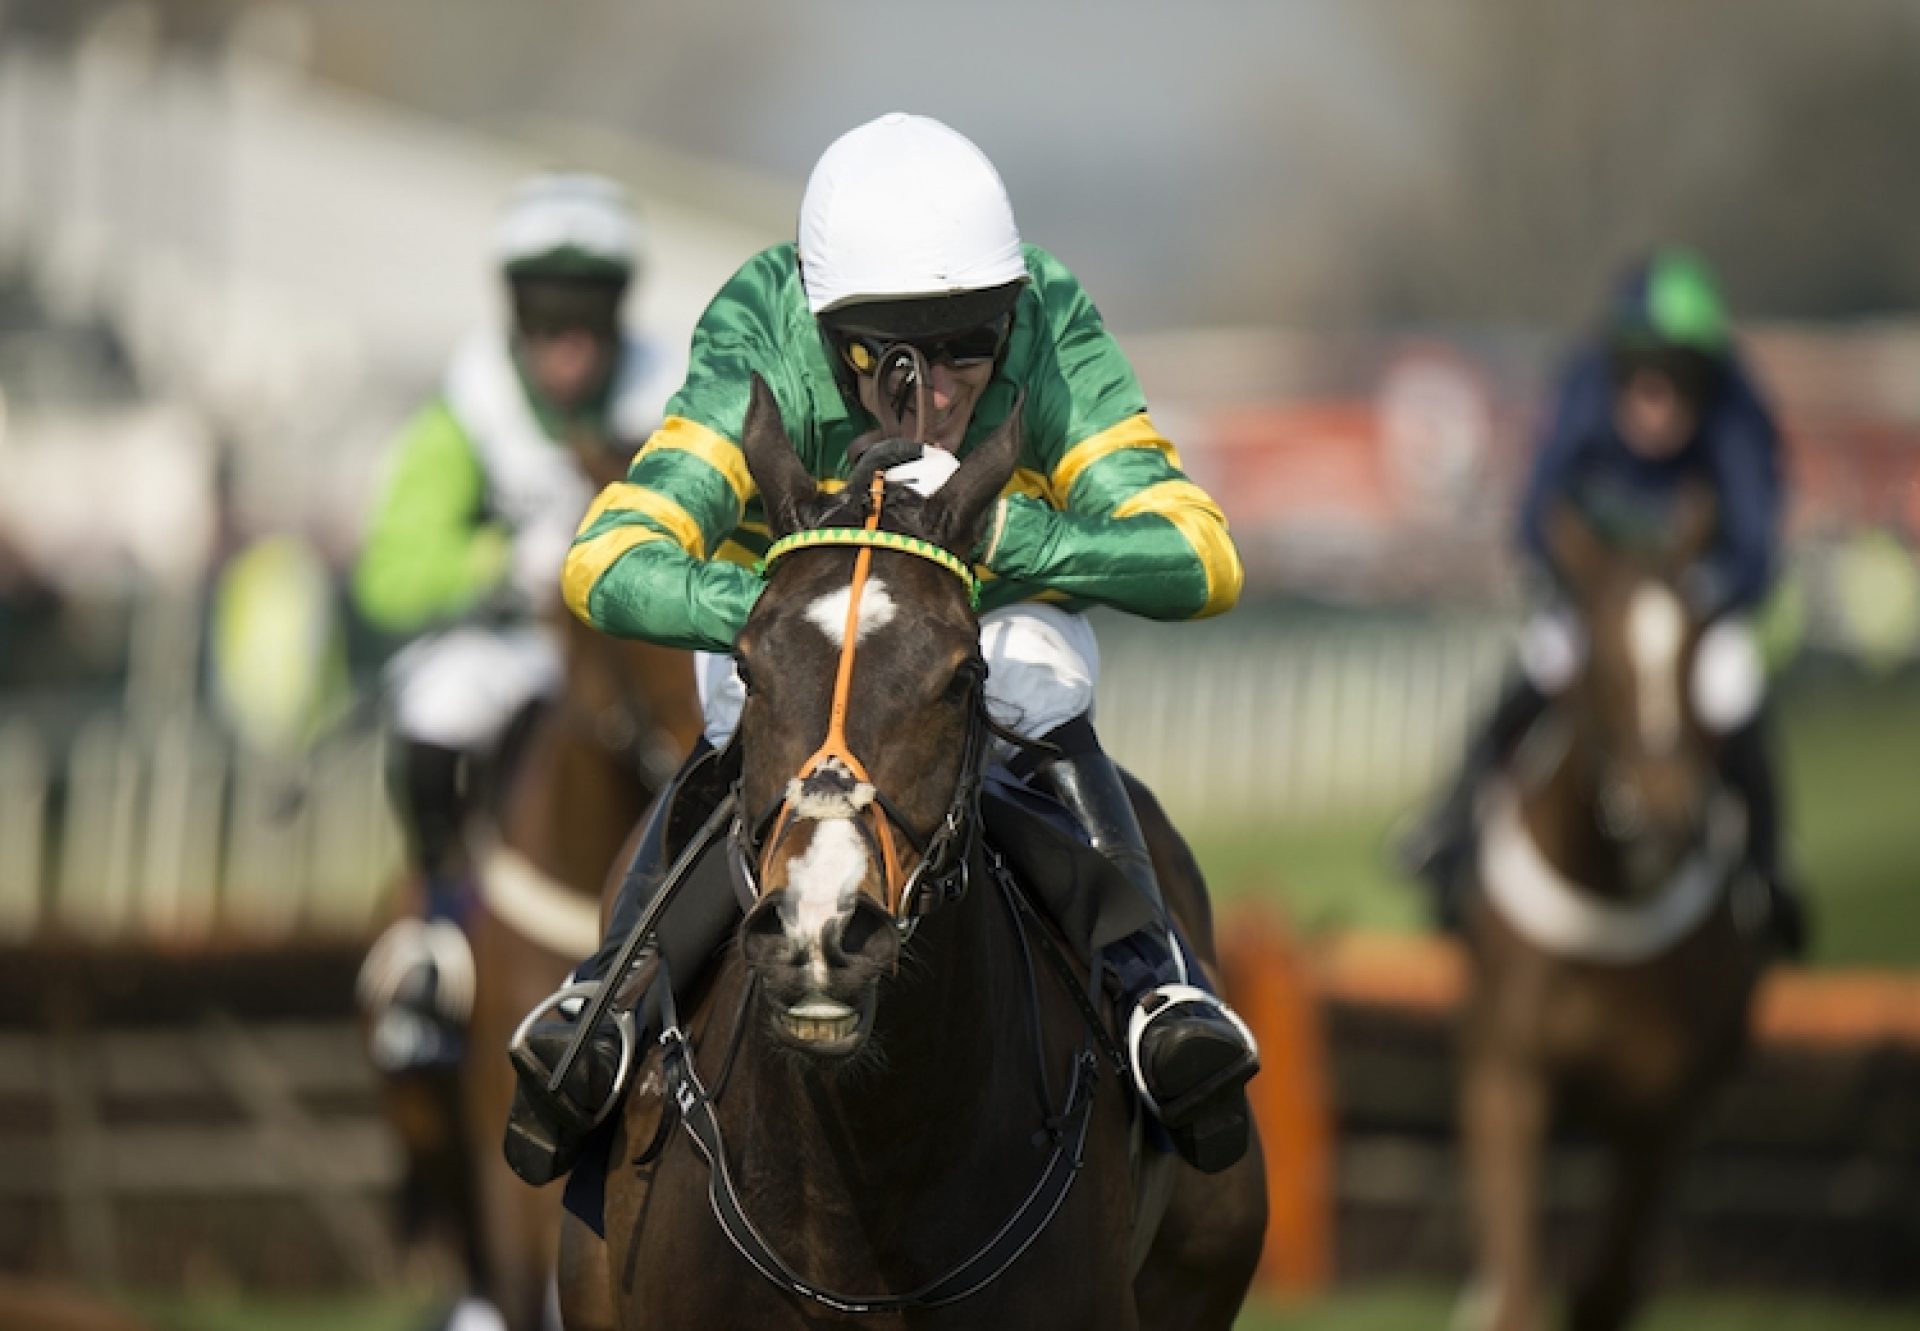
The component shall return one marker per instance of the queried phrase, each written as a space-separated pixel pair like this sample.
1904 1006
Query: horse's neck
571 804
1558 813
653 685
576 796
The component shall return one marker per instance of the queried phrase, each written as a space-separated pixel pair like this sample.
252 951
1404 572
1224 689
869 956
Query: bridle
941 871
940 875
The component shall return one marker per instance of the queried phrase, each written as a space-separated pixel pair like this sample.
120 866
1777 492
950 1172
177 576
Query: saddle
1085 896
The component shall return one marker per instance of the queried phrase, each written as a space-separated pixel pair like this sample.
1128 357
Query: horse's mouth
822 1025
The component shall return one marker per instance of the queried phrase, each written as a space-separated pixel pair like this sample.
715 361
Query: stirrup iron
1174 996
570 1002
408 944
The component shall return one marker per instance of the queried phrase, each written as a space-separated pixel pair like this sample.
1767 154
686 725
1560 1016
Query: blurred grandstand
226 282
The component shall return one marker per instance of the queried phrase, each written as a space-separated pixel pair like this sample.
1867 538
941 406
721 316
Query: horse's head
1636 704
862 732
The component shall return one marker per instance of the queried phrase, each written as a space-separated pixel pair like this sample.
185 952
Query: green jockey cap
1669 302
568 226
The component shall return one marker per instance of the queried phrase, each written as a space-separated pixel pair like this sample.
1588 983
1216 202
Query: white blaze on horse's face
1656 628
828 613
822 883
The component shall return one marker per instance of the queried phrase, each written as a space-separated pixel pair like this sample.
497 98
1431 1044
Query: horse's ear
960 506
1696 521
785 487
1579 554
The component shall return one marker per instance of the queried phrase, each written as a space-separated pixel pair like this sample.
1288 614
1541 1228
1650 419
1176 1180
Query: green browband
879 540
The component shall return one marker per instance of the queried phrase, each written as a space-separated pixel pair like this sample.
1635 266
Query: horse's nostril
763 935
868 932
857 934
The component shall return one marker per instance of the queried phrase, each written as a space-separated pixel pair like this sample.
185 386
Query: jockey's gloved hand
926 473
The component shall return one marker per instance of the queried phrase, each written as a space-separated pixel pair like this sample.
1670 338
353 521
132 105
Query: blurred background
1345 245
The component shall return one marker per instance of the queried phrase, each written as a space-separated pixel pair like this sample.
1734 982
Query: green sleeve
428 552
665 596
643 565
1121 523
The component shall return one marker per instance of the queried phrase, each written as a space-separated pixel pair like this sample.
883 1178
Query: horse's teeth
816 1029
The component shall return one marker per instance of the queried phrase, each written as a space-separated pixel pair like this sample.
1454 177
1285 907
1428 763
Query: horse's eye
746 676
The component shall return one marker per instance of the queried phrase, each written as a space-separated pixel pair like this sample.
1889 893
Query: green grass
235 1312
1328 876
1851 754
1849 750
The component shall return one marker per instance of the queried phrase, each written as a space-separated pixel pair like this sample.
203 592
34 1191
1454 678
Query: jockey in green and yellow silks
464 550
1101 512
906 236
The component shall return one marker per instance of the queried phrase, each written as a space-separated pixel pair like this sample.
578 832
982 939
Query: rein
1067 1128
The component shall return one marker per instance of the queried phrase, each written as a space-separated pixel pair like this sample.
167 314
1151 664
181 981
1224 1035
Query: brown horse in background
889 1093
577 781
593 763
1608 963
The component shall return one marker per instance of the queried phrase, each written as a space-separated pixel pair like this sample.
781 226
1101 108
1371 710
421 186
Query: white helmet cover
585 216
905 207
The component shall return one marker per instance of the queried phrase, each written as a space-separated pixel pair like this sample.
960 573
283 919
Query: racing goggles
862 349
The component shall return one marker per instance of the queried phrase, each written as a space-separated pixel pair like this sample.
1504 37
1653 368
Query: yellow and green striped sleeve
1130 530
643 566
1117 521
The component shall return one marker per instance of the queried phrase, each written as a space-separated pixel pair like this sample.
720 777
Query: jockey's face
960 357
567 367
955 392
1655 419
568 336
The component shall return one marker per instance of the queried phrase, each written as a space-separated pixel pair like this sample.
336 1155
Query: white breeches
461 688
1042 666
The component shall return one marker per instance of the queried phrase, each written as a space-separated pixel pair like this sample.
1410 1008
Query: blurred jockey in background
483 493
1659 403
907 239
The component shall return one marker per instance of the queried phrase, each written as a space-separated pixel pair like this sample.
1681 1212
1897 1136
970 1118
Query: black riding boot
429 785
545 1128
1439 850
416 983
1192 1056
1748 767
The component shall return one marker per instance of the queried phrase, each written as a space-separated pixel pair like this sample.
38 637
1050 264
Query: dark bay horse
1609 966
911 1117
